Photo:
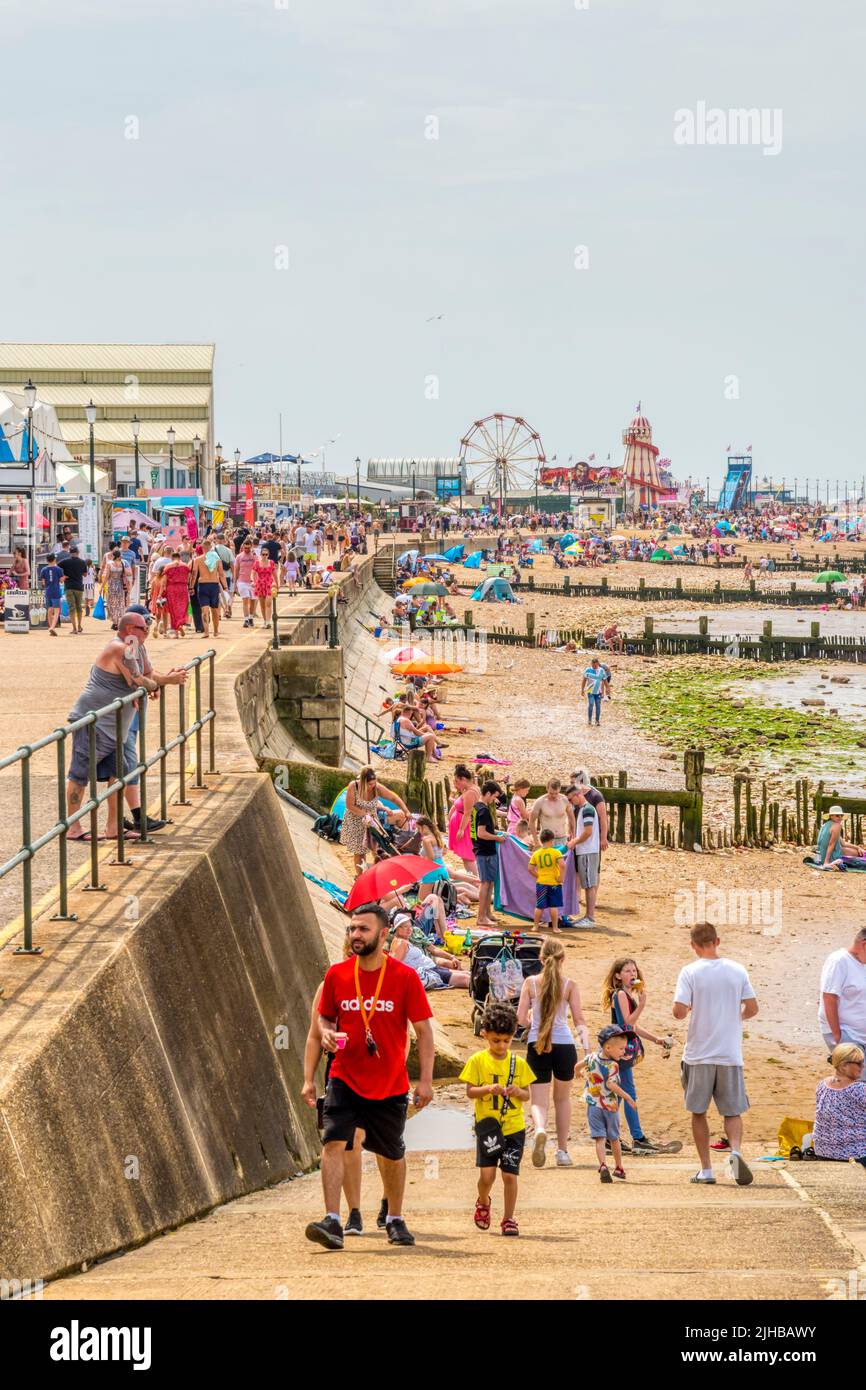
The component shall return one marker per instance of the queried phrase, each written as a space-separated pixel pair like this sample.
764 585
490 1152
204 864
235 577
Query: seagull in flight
434 317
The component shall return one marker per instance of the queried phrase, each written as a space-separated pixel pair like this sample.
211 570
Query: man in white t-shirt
716 996
842 1010
585 842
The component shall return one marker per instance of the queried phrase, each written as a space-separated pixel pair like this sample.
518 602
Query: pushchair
520 957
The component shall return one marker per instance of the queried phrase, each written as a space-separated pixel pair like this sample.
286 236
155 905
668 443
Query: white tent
47 438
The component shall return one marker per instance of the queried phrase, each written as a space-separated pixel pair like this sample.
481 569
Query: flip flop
84 839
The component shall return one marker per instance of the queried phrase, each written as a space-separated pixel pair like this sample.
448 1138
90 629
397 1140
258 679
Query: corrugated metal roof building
164 384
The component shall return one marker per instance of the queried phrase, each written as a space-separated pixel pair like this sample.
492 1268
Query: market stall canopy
47 436
127 516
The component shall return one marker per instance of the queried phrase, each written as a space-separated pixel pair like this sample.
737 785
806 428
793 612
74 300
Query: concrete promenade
794 1234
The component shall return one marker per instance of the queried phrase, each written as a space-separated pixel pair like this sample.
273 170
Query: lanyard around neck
368 1017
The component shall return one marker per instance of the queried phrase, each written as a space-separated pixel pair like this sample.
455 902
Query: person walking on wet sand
594 678
367 1003
716 996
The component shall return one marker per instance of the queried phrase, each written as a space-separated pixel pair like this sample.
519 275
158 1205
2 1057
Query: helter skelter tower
640 466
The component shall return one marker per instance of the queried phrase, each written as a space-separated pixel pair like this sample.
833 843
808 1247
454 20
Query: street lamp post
218 458
358 484
196 449
90 412
413 480
237 479
30 398
171 435
136 426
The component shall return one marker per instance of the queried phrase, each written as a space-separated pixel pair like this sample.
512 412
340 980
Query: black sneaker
152 824
399 1233
354 1225
382 1218
644 1146
623 1143
327 1232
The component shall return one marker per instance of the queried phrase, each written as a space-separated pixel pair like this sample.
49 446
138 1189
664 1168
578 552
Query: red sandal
482 1215
509 1227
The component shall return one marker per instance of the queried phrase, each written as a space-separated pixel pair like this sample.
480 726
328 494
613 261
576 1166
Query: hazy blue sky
304 126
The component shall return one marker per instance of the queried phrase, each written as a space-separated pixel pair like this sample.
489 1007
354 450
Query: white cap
835 811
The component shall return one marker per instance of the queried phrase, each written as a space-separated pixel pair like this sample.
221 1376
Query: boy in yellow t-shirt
546 866
498 1081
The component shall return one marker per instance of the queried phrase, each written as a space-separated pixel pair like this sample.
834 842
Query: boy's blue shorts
548 895
603 1124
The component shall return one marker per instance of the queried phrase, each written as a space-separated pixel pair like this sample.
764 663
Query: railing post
211 695
28 949
199 780
64 915
275 641
163 762
119 772
181 694
142 776
94 886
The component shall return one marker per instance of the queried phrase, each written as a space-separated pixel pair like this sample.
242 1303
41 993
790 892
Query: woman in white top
545 1003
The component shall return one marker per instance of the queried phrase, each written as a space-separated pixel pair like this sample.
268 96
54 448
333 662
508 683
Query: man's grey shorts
603 1124
106 758
587 869
703 1082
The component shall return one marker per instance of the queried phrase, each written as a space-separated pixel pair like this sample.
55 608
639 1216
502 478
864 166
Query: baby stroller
513 957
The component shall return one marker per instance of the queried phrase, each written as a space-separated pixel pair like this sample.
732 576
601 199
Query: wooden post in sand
415 770
530 627
693 816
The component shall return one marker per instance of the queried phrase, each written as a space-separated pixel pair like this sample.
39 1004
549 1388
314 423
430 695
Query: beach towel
339 895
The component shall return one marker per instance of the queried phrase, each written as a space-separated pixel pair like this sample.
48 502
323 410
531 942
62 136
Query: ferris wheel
501 453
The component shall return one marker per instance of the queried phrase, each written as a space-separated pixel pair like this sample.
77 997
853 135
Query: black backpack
327 826
444 889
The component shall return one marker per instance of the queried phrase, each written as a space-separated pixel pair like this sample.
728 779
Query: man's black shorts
559 1062
383 1121
509 1159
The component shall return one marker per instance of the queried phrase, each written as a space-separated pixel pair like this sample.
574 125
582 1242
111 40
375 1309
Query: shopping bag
99 608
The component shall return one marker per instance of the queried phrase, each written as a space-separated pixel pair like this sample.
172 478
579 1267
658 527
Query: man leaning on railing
123 665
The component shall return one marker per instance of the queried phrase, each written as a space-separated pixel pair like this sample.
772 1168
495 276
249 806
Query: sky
312 183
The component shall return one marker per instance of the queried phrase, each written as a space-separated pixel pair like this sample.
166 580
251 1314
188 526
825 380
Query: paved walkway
793 1234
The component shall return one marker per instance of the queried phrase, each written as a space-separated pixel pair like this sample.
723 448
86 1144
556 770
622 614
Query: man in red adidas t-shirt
367 1002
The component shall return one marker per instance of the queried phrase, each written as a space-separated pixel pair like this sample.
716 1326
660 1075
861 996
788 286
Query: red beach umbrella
385 876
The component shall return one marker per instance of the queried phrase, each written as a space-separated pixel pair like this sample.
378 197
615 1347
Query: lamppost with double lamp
196 449
90 412
171 435
218 459
237 480
358 484
136 426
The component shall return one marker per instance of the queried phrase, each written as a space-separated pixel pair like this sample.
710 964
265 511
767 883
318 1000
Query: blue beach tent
494 591
474 560
455 553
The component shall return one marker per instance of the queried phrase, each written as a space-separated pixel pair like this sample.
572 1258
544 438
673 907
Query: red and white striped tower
640 467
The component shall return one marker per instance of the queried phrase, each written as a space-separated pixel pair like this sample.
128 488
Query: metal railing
325 634
365 736
23 756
